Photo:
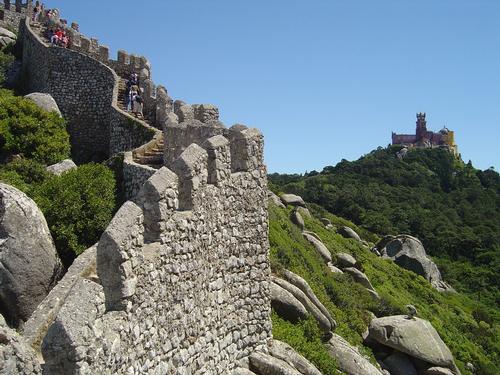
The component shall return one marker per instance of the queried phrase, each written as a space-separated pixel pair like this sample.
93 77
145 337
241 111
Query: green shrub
78 206
26 129
23 173
305 337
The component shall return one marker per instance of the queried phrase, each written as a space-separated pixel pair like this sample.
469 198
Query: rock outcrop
16 356
300 283
323 321
297 219
6 37
362 279
264 364
292 200
415 337
271 197
345 260
286 353
61 167
349 233
44 101
409 253
348 358
320 246
29 264
285 304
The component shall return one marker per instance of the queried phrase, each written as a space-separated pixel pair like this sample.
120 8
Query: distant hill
451 206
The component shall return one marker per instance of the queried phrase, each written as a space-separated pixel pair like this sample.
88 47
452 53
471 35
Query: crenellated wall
183 271
181 283
13 13
86 91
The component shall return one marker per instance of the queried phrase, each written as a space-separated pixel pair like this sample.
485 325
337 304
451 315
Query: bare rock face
61 167
264 364
409 253
415 337
349 359
16 356
44 101
29 264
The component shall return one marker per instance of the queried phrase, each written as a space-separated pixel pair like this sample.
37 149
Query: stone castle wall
183 272
86 92
180 283
12 14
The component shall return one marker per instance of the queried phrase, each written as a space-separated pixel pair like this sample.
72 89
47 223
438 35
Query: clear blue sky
323 79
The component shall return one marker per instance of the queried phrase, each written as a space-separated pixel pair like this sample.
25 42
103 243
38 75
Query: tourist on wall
138 104
36 12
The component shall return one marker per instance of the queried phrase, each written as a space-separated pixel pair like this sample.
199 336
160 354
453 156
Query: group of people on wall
133 98
58 36
56 30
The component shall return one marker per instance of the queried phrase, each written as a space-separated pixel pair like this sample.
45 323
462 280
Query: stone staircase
152 155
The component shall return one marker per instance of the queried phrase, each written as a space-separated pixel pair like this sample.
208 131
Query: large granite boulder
409 253
44 101
359 277
264 364
286 353
300 283
345 260
6 37
292 200
323 321
61 167
16 356
349 233
297 219
320 246
29 265
285 304
348 358
415 337
271 197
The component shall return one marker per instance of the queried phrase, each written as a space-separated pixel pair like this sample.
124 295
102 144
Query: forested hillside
451 206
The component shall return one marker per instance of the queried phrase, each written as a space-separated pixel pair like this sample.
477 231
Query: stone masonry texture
181 277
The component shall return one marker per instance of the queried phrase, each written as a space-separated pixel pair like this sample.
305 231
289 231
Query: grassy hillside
453 315
451 206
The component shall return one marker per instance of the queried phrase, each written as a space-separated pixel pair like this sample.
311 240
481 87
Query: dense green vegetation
30 131
452 207
77 205
470 332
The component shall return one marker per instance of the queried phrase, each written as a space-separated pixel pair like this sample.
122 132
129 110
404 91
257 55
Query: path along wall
183 272
86 91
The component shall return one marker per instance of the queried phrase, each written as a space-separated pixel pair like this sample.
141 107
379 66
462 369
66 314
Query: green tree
78 206
28 130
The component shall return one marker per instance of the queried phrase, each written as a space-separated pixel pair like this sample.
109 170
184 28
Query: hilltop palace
423 138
